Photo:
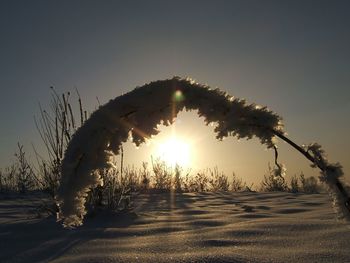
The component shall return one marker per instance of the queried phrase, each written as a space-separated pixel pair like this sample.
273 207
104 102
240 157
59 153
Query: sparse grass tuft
237 184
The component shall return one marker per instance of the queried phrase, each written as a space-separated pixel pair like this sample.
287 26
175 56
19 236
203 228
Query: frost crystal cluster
137 114
330 174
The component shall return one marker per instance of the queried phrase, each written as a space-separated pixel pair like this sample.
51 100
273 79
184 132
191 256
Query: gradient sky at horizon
292 56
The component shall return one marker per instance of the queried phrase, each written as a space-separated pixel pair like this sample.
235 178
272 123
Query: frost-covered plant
330 174
162 175
8 181
19 176
199 183
26 179
274 180
294 184
145 176
138 113
177 181
218 180
56 127
188 184
110 194
237 184
309 185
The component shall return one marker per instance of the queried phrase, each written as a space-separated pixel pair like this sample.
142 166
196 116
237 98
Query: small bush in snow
273 181
309 185
237 184
294 185
218 180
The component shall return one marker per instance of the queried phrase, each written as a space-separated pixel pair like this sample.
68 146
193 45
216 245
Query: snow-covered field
196 227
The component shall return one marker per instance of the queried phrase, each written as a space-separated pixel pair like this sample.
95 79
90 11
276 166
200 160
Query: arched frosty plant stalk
138 114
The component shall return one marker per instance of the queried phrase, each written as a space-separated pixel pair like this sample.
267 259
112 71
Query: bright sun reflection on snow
174 151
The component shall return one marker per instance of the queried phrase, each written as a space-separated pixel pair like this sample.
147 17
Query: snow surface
183 227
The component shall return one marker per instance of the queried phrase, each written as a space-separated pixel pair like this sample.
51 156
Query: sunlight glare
174 151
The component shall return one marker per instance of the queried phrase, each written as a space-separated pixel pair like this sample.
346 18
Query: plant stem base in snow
330 174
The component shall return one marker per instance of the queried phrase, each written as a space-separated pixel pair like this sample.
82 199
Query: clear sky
292 56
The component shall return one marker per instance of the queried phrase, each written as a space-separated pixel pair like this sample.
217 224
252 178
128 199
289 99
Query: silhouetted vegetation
56 128
273 181
119 187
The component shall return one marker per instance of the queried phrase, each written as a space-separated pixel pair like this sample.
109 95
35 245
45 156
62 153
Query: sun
174 151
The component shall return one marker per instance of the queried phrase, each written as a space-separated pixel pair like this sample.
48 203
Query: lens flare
179 96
